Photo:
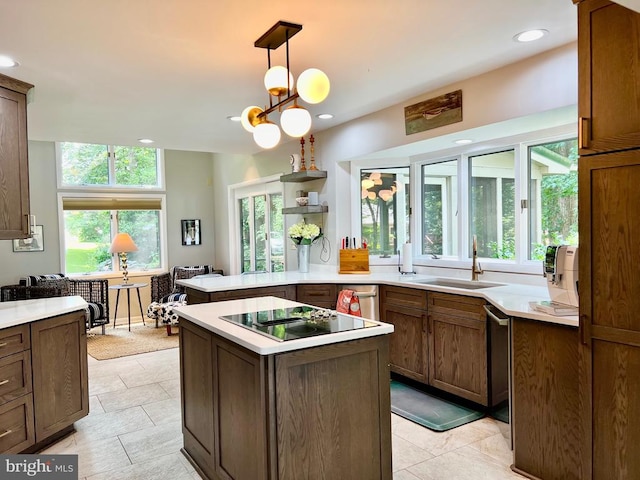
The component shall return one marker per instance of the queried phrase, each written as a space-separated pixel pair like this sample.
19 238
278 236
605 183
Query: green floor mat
427 410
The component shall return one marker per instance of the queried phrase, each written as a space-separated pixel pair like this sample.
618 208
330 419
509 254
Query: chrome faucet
476 269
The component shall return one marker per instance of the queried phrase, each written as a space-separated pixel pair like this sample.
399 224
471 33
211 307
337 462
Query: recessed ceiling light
145 140
463 141
7 61
325 116
530 35
234 118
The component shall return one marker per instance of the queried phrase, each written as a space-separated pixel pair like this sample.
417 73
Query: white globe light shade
266 134
313 85
247 116
275 80
295 121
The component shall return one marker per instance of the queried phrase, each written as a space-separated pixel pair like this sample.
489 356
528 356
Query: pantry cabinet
14 164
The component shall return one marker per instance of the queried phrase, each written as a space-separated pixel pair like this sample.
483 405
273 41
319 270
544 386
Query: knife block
354 260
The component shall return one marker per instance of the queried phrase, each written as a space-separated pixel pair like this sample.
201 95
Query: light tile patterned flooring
133 431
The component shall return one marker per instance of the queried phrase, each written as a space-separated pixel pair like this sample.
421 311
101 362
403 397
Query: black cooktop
297 322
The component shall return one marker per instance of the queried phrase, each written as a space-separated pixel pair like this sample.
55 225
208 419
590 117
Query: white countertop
207 316
512 299
25 311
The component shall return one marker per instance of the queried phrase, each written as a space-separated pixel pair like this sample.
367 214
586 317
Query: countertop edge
20 312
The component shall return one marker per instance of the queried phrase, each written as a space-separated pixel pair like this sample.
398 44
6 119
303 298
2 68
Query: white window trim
258 186
115 272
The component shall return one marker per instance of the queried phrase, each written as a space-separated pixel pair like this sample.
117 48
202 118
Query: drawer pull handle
3 344
4 382
6 433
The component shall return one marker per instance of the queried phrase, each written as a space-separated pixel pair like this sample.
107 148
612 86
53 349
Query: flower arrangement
304 233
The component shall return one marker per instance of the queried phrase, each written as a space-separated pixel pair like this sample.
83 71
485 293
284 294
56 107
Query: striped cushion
96 312
174 297
32 280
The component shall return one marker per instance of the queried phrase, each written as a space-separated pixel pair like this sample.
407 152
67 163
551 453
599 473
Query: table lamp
123 243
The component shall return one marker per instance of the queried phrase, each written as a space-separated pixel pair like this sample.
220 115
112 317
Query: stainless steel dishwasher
500 369
368 295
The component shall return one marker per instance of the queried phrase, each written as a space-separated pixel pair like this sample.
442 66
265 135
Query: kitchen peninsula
258 407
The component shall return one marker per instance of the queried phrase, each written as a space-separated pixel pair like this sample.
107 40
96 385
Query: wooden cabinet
609 77
405 308
60 384
458 346
14 164
545 401
281 291
323 295
285 416
609 228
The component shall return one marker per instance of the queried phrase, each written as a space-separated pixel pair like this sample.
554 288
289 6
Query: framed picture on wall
190 232
33 244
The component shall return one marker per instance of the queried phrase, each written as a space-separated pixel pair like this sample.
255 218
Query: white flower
304 233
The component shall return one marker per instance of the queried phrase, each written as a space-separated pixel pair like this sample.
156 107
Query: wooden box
354 260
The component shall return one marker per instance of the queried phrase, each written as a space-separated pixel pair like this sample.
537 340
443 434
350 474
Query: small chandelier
312 87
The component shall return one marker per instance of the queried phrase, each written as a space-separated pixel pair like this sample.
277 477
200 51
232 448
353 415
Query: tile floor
133 431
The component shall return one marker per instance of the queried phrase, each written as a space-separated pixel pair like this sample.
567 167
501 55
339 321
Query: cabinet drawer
15 376
16 425
406 297
458 305
14 339
321 295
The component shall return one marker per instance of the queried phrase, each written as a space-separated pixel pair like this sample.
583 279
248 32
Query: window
553 195
440 208
492 204
385 209
90 218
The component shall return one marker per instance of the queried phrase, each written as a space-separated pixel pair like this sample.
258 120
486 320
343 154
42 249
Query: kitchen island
256 407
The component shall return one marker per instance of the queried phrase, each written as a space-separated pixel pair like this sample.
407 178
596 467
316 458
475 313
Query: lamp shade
275 81
248 117
266 134
295 121
122 242
313 85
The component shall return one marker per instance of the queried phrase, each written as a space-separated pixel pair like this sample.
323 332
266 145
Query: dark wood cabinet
609 76
609 228
287 292
545 401
285 416
324 295
405 308
458 346
60 383
14 163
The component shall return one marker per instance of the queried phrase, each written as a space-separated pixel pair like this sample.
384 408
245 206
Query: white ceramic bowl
302 201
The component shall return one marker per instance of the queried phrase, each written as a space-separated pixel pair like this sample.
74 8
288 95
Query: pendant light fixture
313 87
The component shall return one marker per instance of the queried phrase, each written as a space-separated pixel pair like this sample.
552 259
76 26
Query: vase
303 258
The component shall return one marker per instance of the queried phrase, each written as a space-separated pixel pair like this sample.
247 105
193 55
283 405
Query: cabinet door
14 166
458 356
59 359
320 295
609 77
408 344
609 304
287 292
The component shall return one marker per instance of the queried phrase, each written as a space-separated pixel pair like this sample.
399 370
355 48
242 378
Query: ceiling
174 70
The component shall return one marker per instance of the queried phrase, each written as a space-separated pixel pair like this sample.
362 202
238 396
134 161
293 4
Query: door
609 304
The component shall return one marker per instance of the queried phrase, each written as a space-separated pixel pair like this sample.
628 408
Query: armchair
93 291
166 294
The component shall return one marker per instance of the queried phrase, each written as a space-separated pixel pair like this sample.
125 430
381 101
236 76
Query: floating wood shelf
307 209
304 176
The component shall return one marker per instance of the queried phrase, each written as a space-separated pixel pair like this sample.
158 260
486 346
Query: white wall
544 83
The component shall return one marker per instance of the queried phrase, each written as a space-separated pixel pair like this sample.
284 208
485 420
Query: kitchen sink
453 283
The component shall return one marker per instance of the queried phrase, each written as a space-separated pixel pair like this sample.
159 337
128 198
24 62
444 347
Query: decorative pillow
59 285
33 280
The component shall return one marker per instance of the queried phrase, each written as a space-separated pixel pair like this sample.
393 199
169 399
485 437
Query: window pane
136 166
492 204
385 208
87 240
84 164
276 227
440 208
245 238
259 220
553 196
144 228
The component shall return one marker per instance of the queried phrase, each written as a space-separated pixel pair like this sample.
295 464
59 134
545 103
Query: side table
128 287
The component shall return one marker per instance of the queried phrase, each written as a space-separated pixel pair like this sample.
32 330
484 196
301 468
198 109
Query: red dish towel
348 302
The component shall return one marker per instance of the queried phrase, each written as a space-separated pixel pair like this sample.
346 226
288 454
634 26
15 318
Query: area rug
429 411
120 342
